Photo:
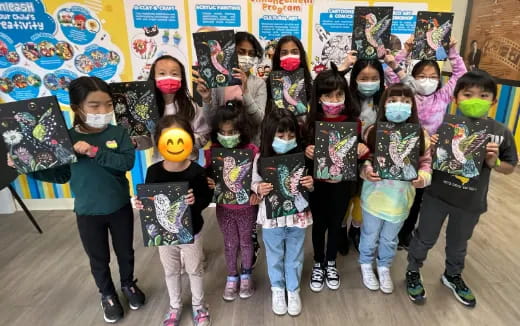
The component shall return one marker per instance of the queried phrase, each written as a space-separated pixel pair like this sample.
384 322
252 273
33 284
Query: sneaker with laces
369 278
385 280
332 276
354 233
231 289
294 303
172 318
460 289
112 309
279 303
317 278
415 288
247 288
134 295
201 316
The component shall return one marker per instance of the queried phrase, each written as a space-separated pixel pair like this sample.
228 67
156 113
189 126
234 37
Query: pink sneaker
231 290
172 318
247 288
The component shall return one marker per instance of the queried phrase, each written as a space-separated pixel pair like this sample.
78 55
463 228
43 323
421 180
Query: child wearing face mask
474 94
102 199
173 97
386 203
233 129
252 91
432 100
331 102
283 236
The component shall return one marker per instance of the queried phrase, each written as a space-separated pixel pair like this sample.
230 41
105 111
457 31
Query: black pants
409 224
329 202
93 231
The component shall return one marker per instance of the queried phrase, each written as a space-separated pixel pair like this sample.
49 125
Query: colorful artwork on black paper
288 90
232 171
432 35
371 36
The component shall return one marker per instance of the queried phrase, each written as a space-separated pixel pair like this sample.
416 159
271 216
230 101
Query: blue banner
20 83
218 15
150 15
274 27
58 83
404 21
337 20
21 19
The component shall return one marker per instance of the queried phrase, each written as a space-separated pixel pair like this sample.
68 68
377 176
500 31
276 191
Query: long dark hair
170 120
419 67
356 70
278 120
325 82
248 37
398 89
182 98
276 66
79 89
234 112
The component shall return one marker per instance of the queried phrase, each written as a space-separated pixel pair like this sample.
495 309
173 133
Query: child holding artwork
386 203
199 197
105 153
474 94
283 236
331 102
232 129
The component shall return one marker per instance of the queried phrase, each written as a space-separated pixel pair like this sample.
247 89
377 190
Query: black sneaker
134 295
112 309
415 288
459 289
332 276
344 241
256 247
317 278
354 234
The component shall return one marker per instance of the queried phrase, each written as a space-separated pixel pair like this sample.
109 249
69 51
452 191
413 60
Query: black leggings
93 231
329 202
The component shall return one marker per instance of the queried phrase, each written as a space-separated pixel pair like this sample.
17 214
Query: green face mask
228 141
474 108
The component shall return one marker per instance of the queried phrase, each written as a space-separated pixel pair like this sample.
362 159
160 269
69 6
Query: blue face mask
281 146
368 88
398 111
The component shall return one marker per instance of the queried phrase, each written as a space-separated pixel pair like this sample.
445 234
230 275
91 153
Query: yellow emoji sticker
175 144
112 144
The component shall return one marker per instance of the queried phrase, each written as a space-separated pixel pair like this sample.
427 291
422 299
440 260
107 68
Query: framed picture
491 39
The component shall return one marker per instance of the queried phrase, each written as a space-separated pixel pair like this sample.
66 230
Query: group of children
243 117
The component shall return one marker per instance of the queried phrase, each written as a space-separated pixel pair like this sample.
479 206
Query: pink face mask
168 84
290 62
332 108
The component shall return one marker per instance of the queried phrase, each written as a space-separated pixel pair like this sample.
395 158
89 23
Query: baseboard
48 204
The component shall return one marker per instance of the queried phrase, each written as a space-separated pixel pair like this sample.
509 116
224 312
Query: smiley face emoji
175 144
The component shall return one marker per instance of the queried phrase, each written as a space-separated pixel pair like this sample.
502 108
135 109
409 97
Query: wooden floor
45 279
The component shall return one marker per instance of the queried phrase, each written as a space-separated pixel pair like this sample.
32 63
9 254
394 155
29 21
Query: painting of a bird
399 150
463 146
289 181
339 147
221 55
436 34
170 216
292 92
374 31
233 175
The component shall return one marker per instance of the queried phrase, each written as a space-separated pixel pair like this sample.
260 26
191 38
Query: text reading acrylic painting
231 169
335 151
432 35
371 34
288 90
461 148
284 172
165 218
216 57
397 150
135 107
35 134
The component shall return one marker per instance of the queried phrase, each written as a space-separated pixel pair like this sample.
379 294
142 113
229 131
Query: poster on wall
155 28
493 45
41 52
271 20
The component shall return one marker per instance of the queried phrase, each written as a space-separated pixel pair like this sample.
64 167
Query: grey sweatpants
459 231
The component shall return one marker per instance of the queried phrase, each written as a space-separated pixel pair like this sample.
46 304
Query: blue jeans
378 234
284 251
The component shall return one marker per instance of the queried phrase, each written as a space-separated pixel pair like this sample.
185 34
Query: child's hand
309 152
369 174
434 139
239 74
419 182
254 200
211 183
82 147
362 150
136 203
190 197
390 60
408 45
202 88
453 42
349 61
264 189
10 161
307 181
492 154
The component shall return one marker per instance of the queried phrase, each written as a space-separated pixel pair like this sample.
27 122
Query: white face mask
426 86
99 121
246 62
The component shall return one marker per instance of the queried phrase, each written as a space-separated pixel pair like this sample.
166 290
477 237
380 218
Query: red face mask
290 62
168 84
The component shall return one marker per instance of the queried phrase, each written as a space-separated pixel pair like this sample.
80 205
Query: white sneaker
369 278
385 280
295 303
279 303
